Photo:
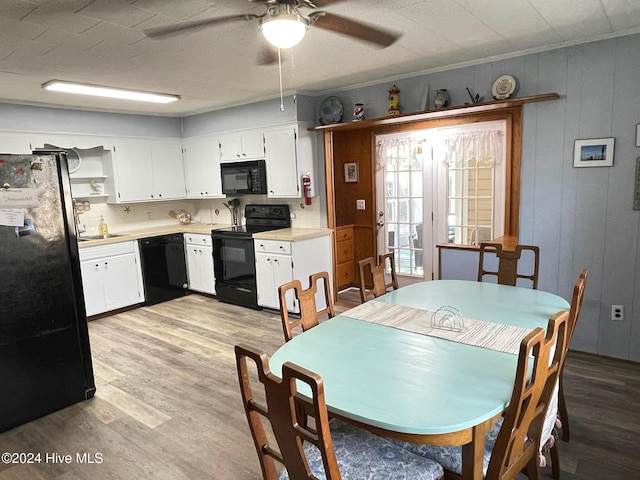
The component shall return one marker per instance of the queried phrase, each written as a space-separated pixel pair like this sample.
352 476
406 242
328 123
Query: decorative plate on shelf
504 87
331 111
73 160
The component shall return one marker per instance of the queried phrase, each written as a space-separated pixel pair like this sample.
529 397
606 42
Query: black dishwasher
164 270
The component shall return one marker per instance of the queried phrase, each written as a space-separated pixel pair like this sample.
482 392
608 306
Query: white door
405 203
207 274
252 145
265 282
282 171
168 169
282 273
202 168
93 286
134 170
120 275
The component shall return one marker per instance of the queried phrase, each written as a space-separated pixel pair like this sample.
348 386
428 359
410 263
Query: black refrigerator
45 359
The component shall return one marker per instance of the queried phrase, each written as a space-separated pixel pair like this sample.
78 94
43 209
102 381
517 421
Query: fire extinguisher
306 188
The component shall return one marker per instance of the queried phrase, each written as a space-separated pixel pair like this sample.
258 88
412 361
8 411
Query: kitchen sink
85 238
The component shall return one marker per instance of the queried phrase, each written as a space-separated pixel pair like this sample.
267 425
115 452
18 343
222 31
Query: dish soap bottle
103 229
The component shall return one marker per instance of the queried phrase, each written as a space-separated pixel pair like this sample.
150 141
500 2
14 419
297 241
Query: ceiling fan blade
195 25
323 3
353 28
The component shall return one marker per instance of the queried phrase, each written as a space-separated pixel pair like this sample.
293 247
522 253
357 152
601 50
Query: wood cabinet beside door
345 264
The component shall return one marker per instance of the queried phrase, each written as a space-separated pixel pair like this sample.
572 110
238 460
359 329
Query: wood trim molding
440 113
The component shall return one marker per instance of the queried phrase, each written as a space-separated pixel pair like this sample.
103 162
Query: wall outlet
617 313
360 205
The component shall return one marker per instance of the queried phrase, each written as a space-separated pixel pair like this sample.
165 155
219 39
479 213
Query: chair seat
449 456
362 455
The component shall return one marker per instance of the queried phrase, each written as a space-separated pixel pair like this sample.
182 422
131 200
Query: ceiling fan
283 25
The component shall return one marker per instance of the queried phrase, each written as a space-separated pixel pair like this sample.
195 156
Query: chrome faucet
233 206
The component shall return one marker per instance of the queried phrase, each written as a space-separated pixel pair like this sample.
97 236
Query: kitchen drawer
345 274
344 233
272 246
198 239
113 249
344 252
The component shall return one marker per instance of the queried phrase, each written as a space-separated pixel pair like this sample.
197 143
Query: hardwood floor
168 404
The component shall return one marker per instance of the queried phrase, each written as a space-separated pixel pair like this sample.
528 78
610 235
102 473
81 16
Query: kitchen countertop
284 234
124 236
292 234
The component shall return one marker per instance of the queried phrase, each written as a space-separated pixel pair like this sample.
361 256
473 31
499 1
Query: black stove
234 257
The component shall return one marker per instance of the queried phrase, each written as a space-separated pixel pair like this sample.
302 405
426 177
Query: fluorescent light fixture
284 30
99 91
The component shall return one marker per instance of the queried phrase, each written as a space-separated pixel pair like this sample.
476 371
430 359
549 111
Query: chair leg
532 470
563 413
555 461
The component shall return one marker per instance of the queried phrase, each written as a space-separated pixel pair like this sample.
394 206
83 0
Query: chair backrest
374 274
309 313
576 301
507 271
280 412
539 363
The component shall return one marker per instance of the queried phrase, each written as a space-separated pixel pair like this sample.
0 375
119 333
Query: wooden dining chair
309 313
507 272
331 449
513 444
372 276
574 313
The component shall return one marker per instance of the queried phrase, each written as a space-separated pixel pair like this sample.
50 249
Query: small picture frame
594 152
638 135
351 172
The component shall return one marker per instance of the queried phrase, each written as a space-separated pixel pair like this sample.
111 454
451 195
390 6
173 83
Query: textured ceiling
102 42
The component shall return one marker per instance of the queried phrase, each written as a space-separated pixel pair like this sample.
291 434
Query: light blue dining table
418 387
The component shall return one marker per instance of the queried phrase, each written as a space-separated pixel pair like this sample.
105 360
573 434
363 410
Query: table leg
472 455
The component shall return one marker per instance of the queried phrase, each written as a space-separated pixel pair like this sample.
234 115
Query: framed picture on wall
350 172
638 135
594 152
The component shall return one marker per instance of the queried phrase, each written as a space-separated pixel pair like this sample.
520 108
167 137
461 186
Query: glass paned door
401 204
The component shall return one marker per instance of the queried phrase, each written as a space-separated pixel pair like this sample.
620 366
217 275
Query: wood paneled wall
355 146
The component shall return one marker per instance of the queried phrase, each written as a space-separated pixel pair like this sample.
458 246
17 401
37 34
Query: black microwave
244 177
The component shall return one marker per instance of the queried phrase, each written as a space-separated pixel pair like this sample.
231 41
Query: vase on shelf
441 99
358 112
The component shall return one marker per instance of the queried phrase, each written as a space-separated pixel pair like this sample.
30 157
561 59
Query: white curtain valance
474 146
396 149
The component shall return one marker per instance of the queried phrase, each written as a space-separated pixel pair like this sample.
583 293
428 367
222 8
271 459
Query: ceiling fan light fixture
284 30
109 92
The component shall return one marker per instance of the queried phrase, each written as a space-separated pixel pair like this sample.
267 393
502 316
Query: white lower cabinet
111 277
279 262
199 256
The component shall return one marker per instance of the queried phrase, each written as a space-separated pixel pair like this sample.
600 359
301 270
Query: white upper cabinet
168 169
282 168
238 146
290 152
146 170
132 178
202 167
